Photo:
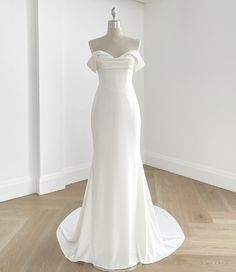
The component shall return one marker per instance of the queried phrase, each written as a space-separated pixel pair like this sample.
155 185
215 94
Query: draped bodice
115 72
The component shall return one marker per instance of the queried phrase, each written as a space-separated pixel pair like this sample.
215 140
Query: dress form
114 41
118 227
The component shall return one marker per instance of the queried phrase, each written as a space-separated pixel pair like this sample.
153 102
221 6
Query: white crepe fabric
117 226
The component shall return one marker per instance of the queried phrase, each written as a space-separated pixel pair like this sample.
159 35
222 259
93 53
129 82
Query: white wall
17 96
83 22
47 89
190 89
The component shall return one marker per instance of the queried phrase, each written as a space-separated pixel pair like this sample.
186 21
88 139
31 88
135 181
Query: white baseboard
17 187
76 173
51 183
22 186
58 181
210 175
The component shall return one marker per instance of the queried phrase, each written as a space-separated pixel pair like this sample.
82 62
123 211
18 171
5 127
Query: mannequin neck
114 31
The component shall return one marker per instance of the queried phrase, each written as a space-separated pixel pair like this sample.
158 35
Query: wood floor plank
210 196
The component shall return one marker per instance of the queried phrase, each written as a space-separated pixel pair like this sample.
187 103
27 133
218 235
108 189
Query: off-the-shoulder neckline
122 55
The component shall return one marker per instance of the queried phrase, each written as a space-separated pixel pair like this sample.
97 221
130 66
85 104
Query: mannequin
114 41
116 44
117 228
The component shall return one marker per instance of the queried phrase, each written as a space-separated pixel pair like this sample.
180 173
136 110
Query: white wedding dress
117 226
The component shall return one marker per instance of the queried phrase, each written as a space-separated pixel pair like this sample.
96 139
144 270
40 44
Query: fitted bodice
115 72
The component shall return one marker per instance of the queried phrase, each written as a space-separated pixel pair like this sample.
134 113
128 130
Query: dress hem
63 243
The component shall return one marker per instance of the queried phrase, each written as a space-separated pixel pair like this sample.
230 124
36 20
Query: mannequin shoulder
95 43
134 43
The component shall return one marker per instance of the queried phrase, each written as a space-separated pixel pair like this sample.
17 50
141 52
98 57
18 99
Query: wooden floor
207 215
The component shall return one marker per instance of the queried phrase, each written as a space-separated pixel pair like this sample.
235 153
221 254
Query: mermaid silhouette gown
117 226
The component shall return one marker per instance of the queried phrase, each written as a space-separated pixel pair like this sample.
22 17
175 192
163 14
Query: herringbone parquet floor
206 213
